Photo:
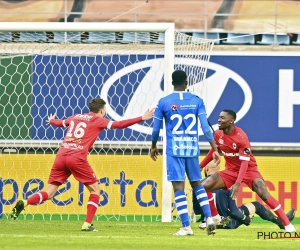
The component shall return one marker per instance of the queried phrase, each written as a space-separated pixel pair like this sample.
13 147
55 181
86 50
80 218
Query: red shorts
65 165
230 177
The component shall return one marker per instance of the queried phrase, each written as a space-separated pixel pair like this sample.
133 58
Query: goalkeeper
234 216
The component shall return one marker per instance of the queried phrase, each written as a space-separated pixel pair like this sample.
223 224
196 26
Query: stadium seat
239 39
208 35
161 38
128 37
144 37
32 37
59 37
269 39
131 37
298 40
101 37
180 39
74 37
5 37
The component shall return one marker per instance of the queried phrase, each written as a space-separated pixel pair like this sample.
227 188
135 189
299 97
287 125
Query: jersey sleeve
158 119
67 121
245 149
203 120
103 123
201 108
60 122
158 113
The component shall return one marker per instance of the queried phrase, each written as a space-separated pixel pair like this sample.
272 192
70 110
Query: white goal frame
169 55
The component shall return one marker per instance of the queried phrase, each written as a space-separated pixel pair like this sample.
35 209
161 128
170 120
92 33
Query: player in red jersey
240 167
71 158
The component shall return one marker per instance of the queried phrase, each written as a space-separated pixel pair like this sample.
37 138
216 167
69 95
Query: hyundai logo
149 89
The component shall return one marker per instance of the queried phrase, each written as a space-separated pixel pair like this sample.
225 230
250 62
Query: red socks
276 207
37 198
212 205
92 207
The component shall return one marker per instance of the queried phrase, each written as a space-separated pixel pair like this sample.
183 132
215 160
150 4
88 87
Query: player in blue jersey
181 111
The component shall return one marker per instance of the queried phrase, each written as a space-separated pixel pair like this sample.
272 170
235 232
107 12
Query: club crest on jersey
174 107
247 151
234 145
221 141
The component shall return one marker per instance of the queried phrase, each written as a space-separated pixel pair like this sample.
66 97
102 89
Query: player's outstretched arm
148 114
57 122
50 117
126 123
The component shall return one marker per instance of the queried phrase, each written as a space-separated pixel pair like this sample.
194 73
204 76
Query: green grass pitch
55 235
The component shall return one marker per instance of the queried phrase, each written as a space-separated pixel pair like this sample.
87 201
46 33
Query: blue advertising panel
264 90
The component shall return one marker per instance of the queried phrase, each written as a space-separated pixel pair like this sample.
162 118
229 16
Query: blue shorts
177 167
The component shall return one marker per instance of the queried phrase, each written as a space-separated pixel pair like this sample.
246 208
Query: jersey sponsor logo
230 154
215 85
185 138
84 117
73 146
221 141
188 106
181 146
247 151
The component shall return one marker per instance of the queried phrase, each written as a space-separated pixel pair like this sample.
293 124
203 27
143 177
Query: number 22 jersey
181 111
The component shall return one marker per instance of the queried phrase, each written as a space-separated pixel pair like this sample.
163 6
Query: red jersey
235 148
82 132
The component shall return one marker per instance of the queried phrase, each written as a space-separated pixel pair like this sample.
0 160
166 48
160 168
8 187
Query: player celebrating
71 158
181 111
240 166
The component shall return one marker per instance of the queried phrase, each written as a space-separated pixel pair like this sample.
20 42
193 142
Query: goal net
58 67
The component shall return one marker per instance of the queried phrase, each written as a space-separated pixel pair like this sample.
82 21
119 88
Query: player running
71 158
181 111
240 166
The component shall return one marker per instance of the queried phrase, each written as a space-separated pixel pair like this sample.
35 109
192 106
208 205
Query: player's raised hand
50 117
154 153
235 190
148 114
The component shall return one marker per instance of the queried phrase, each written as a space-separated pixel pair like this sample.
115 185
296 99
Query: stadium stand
269 39
239 38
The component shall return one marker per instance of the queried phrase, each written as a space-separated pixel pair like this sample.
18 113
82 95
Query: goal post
129 65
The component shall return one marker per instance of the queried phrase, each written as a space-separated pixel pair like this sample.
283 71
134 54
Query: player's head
226 119
179 79
98 106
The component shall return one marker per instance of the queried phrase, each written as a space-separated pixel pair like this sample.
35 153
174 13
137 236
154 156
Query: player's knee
94 188
50 195
208 185
264 195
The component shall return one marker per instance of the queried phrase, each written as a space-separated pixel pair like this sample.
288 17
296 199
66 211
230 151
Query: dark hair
230 112
179 77
96 104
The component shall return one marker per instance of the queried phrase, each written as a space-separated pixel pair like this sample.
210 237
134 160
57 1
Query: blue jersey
181 111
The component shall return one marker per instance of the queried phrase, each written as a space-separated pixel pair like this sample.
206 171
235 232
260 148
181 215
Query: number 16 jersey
83 130
181 111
